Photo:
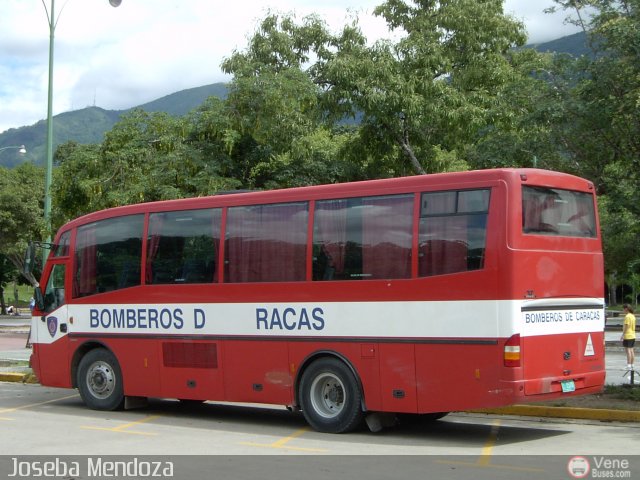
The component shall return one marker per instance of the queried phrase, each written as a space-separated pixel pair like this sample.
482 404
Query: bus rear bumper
550 388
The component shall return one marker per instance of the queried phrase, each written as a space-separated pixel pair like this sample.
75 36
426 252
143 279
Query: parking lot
55 421
40 424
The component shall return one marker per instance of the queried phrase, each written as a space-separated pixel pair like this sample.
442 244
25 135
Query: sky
117 58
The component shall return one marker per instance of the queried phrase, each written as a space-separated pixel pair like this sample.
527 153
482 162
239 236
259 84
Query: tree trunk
3 307
19 264
408 151
613 299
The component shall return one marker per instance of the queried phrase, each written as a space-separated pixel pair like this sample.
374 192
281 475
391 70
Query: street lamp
53 22
21 149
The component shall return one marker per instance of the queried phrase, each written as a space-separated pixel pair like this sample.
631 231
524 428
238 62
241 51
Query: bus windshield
557 212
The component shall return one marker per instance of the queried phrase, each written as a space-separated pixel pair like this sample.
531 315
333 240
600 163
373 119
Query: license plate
568 386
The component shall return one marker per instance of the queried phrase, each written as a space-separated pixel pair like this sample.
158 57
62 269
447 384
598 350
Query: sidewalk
14 354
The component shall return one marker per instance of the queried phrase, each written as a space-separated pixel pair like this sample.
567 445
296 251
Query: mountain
183 102
575 45
88 125
83 126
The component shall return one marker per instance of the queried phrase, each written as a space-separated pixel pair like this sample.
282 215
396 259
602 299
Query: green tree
274 108
525 114
8 273
21 213
429 92
145 157
600 128
418 100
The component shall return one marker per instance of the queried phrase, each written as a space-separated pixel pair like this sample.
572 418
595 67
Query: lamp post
53 22
21 149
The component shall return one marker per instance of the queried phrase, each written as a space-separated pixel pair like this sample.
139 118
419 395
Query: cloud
541 27
117 58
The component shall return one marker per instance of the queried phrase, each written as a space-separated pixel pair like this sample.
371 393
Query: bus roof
386 186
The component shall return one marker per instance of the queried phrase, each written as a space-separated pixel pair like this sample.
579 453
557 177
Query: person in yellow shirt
629 334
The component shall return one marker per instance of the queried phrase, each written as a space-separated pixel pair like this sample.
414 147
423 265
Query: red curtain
267 243
330 231
386 236
84 282
155 233
443 235
444 249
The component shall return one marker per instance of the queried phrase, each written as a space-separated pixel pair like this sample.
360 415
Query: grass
25 292
623 392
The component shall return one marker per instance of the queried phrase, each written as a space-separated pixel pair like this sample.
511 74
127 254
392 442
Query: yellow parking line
123 428
285 440
282 443
23 407
485 456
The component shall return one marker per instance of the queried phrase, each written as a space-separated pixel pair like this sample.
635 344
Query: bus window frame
52 261
521 240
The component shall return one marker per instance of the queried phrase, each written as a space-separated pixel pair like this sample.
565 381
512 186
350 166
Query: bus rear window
556 212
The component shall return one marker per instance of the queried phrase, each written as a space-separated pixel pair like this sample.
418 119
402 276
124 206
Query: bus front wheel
330 396
100 380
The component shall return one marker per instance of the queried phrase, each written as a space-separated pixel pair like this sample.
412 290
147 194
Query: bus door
49 329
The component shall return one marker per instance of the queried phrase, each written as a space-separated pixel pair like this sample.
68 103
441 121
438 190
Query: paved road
221 441
27 411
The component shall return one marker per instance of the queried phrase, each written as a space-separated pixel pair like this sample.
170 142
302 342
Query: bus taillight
512 351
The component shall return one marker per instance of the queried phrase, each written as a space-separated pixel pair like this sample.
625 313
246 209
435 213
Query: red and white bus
424 295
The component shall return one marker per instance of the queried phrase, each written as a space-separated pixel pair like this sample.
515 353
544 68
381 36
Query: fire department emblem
52 325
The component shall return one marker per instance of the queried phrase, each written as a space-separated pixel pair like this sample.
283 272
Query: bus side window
453 228
54 296
108 255
266 243
62 247
363 238
183 246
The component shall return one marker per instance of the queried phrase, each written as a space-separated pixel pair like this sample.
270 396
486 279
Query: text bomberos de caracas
266 318
94 467
568 316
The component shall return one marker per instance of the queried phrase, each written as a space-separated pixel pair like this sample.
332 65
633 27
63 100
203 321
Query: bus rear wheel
100 380
330 396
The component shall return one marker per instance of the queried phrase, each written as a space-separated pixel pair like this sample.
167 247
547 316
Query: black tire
100 380
330 396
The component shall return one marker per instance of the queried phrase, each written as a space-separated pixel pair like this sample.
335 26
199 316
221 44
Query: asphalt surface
14 355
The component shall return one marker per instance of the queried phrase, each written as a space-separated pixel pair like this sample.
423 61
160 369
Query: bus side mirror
39 298
29 260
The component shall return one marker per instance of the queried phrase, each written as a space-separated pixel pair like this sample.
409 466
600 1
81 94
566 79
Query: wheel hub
334 394
101 379
327 395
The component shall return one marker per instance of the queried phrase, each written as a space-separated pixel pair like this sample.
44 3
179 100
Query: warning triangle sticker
588 351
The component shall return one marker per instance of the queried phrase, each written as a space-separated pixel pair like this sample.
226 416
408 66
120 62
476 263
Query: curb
13 377
565 412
